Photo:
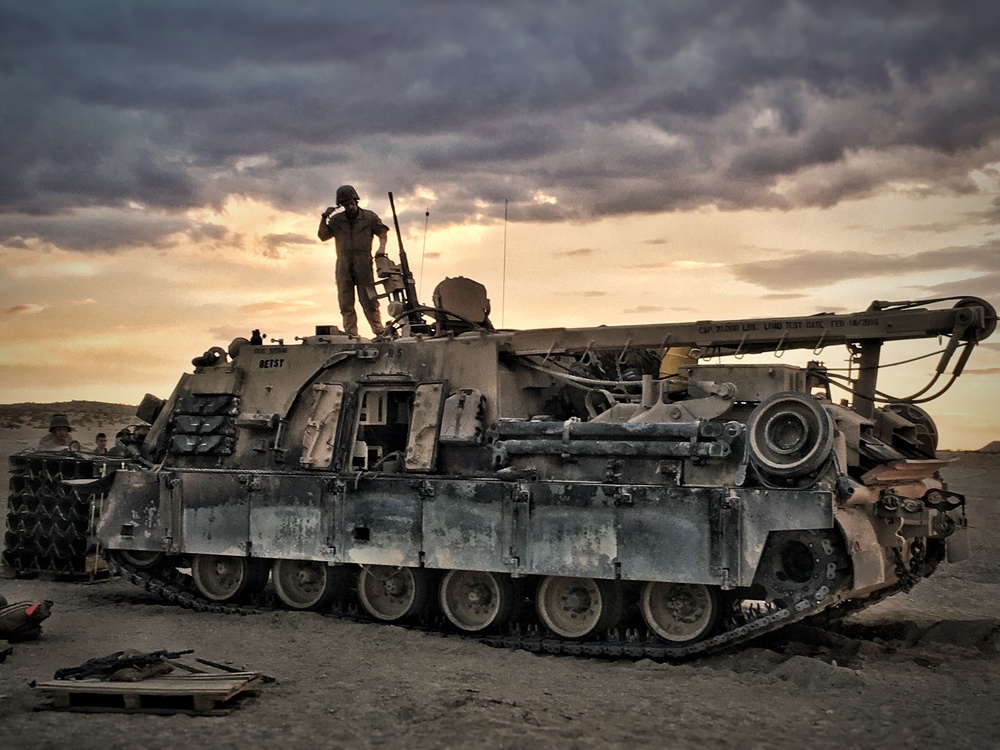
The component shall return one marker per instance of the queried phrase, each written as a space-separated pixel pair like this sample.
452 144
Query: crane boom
972 319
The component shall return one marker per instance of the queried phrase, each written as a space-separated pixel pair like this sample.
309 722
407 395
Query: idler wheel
790 434
475 601
140 559
681 612
223 578
392 594
305 584
578 608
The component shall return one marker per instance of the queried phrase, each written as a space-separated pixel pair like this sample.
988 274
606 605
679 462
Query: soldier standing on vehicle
353 230
101 444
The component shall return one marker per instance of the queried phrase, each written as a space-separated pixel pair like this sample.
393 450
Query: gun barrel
409 288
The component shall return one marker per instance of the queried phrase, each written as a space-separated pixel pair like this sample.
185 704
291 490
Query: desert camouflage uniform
50 442
354 264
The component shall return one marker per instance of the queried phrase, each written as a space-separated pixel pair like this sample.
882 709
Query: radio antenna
423 251
503 279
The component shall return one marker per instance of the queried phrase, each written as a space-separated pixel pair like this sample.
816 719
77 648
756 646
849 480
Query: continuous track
528 635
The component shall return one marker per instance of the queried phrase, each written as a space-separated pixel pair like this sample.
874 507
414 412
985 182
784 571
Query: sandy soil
918 670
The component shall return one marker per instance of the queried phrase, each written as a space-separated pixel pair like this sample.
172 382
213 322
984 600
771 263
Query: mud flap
867 556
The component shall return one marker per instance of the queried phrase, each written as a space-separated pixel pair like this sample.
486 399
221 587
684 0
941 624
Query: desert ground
917 670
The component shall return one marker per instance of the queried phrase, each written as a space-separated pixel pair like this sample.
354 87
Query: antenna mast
503 281
423 250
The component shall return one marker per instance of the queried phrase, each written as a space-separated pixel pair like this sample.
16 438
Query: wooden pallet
202 694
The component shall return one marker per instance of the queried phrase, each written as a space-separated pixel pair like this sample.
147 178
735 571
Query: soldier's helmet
59 420
346 193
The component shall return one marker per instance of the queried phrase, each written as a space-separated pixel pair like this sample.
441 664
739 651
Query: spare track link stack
52 511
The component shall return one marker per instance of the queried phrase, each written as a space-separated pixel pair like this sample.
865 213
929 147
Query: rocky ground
918 670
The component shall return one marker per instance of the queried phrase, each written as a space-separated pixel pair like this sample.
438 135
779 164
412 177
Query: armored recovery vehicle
598 490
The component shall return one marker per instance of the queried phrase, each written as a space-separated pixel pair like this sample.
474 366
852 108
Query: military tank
616 490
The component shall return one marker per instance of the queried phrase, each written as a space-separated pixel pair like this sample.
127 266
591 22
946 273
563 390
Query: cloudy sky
164 164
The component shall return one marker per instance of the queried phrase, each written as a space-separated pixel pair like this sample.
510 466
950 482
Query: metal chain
908 576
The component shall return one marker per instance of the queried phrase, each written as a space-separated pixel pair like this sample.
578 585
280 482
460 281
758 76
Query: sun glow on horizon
115 325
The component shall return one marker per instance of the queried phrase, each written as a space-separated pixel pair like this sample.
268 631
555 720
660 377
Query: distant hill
81 414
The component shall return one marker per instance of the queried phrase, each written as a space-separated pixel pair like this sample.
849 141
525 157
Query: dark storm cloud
986 286
808 269
274 245
101 229
610 107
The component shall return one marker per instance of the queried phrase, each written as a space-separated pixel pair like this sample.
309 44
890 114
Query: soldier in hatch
353 230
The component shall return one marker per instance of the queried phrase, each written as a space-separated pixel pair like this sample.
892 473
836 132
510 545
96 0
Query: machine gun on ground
122 666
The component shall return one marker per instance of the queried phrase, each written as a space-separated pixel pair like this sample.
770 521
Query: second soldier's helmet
59 420
346 193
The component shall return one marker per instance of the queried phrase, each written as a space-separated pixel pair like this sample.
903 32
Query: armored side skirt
669 533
